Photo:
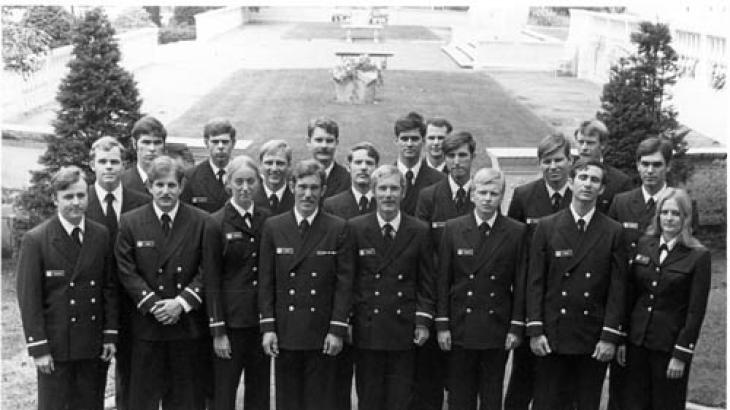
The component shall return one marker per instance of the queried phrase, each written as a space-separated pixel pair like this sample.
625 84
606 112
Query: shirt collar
587 217
142 174
439 167
279 193
101 192
358 194
216 169
455 187
656 196
309 219
489 221
561 191
241 210
69 227
670 244
171 213
329 169
395 222
403 169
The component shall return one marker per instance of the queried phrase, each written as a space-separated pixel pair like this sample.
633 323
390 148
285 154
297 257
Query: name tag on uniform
531 221
436 225
641 259
199 199
564 253
367 251
322 253
55 273
465 252
631 225
234 235
285 251
145 244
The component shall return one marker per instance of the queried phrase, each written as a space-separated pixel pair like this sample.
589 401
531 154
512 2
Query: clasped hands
603 352
167 311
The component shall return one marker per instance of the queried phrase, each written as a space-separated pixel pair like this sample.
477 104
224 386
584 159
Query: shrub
186 14
54 20
176 32
154 13
131 19
708 186
24 47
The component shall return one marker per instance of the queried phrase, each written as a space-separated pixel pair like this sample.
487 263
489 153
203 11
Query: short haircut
684 203
274 147
367 146
164 166
65 177
552 144
653 145
440 123
106 144
241 161
218 126
457 139
327 124
307 168
584 163
412 121
385 171
593 126
489 176
149 125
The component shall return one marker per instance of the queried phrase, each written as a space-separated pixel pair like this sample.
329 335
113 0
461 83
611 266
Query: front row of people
300 285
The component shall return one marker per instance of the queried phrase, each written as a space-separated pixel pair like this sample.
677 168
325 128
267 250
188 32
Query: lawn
333 31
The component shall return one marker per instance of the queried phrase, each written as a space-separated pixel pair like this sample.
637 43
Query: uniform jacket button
653 283
73 319
291 308
71 284
292 274
651 296
566 274
400 294
562 311
400 276
292 291
161 287
586 294
159 271
253 254
93 300
564 293
93 317
179 268
254 283
313 292
491 295
493 277
92 283
585 313
397 312
376 311
314 274
469 293
468 310
471 276
252 240
376 293
72 301
649 309
377 276
312 309
179 285
254 269
658 269
588 275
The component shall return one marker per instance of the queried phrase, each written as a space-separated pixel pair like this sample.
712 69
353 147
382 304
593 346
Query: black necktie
409 179
76 235
166 224
650 206
363 204
556 201
303 228
388 234
484 229
247 219
662 249
581 225
460 201
274 201
111 215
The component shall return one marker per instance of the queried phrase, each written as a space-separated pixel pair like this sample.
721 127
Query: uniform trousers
616 386
384 379
648 386
476 373
167 372
522 379
123 363
580 371
345 365
305 380
73 385
430 379
247 357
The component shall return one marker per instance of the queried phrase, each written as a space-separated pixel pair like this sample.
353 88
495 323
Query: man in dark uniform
305 278
394 297
530 202
323 135
161 261
205 183
576 295
591 140
108 200
436 131
273 193
148 139
68 299
409 133
481 301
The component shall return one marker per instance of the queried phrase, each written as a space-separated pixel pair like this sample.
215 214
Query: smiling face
307 193
322 145
274 169
108 167
165 192
72 201
587 183
220 148
671 219
388 194
243 183
361 166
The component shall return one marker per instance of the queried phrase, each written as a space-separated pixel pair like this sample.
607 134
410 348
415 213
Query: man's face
388 194
220 148
487 198
274 169
361 166
149 147
165 192
72 201
322 145
243 183
589 146
653 170
555 167
307 192
459 161
410 144
587 183
434 139
108 167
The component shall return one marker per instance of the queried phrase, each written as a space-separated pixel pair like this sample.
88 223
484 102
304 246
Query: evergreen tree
635 103
56 21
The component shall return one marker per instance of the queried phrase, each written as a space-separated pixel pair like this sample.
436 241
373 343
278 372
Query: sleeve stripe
442 319
424 314
614 331
267 320
144 299
194 294
38 343
534 323
517 322
336 323
111 332
684 349
217 324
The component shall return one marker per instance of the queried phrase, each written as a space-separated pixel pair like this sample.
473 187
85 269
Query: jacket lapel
584 243
63 242
403 237
310 241
88 247
374 236
489 247
94 211
443 192
677 253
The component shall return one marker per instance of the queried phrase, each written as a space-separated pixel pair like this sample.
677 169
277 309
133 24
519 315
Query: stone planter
345 91
365 91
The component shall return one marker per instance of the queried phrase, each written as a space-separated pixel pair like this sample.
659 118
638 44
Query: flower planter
365 91
345 91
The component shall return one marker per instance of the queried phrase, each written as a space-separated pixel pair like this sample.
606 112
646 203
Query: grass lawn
333 31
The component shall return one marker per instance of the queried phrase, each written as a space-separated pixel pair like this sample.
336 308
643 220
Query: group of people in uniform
406 277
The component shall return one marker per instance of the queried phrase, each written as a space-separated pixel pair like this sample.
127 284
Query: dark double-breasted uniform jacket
481 282
152 268
202 188
426 177
576 288
394 286
231 288
66 293
616 181
262 201
436 205
132 180
305 283
337 181
531 201
668 299
345 206
131 199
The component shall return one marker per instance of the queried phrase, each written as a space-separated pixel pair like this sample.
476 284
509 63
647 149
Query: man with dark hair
274 193
108 200
161 261
409 133
436 131
205 183
591 138
68 299
323 135
575 295
362 159
148 139
305 278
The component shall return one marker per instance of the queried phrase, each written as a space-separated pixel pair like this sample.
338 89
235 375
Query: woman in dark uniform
668 289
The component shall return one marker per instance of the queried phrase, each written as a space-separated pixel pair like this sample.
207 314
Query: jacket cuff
611 335
517 327
267 324
192 297
338 329
424 319
217 328
684 353
148 300
39 348
442 324
534 328
110 336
